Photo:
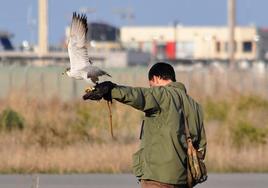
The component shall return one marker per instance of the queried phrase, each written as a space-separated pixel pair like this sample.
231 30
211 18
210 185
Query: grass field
50 133
67 137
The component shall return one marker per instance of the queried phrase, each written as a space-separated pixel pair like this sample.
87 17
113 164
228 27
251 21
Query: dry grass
224 158
73 137
62 137
237 134
76 158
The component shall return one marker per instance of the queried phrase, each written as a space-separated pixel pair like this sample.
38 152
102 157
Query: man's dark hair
164 70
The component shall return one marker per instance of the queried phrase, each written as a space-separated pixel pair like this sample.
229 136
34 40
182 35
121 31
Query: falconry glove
101 90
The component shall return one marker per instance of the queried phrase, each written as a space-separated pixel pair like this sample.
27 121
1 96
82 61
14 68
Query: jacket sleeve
143 99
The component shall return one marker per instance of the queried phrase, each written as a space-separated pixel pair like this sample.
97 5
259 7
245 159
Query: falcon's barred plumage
80 65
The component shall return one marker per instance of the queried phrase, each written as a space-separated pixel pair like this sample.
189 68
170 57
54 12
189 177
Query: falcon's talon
89 89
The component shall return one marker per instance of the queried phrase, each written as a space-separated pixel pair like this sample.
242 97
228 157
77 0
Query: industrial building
197 43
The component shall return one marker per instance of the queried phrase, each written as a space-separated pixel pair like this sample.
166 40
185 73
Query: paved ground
124 181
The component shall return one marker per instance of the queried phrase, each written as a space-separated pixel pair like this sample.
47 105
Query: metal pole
231 28
43 28
175 37
175 31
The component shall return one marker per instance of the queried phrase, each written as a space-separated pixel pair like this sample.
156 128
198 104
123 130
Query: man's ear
156 79
153 78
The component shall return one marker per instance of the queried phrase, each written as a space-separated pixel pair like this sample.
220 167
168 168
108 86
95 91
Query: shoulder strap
186 113
187 131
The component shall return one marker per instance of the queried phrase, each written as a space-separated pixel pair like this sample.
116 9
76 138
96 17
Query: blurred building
204 43
5 43
105 46
103 36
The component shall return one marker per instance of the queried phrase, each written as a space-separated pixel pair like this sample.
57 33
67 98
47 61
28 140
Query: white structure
196 42
43 28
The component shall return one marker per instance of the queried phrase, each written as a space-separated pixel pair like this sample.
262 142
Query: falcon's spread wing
77 45
78 53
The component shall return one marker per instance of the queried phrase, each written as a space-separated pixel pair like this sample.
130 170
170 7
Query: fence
201 82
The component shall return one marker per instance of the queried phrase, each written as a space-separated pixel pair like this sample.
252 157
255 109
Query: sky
19 17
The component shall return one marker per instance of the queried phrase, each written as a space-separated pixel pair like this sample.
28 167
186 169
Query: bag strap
189 146
188 135
187 130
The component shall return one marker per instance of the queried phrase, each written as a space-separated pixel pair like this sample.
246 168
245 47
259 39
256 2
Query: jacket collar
177 85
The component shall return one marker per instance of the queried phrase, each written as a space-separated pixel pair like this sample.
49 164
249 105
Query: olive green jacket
162 153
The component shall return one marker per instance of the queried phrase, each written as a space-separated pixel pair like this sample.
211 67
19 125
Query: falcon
81 67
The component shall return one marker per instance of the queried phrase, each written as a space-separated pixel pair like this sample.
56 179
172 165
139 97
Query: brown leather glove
101 90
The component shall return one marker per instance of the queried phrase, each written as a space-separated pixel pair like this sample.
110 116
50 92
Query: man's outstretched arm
144 99
139 98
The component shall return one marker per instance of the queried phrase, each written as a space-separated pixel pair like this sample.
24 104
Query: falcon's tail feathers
102 72
98 73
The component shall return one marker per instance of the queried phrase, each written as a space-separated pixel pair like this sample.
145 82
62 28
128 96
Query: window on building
184 49
218 46
161 51
247 46
147 46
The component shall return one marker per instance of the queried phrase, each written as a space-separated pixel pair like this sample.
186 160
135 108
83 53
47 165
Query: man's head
161 74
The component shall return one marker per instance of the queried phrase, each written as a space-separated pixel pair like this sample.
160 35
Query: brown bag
196 168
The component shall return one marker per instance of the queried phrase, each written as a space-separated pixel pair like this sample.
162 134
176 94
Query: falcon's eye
67 69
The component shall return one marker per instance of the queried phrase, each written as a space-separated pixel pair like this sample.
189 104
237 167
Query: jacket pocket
137 163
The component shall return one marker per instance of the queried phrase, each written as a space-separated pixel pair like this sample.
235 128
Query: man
161 160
